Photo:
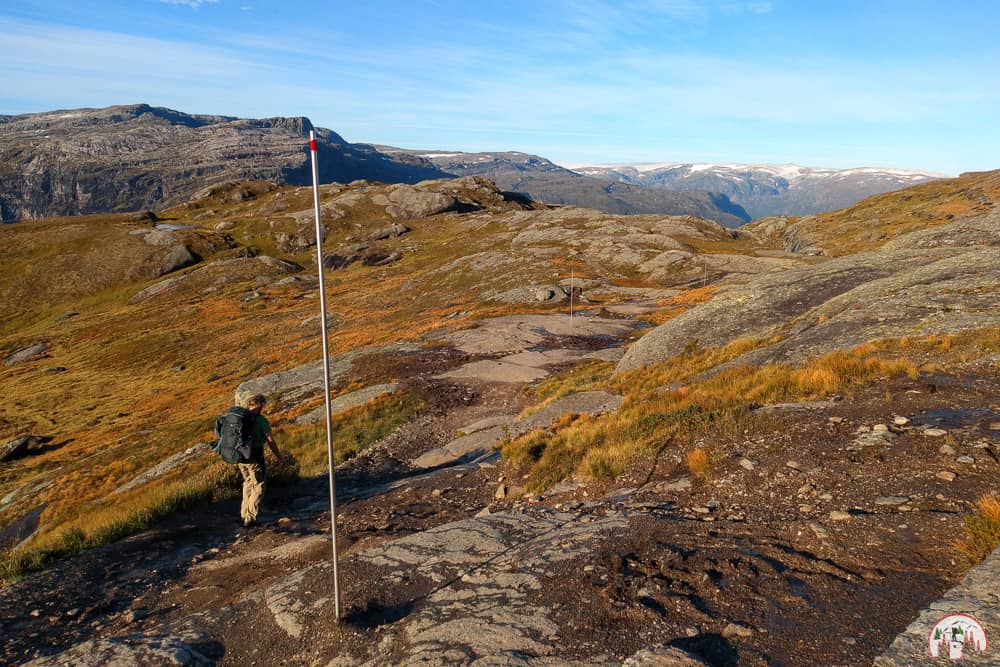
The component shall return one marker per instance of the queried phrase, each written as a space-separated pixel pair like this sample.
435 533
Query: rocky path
820 534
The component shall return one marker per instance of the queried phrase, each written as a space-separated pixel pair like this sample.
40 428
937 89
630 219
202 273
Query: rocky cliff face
125 158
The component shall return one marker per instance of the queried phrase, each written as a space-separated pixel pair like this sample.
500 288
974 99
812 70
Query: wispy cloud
193 4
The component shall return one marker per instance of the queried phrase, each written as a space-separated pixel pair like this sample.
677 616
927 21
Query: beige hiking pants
254 483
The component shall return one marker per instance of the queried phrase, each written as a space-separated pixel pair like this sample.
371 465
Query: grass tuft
982 529
698 463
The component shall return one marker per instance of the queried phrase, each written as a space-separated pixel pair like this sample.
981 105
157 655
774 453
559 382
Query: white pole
571 283
326 375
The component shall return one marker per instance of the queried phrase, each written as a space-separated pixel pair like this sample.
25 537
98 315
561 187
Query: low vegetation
982 529
674 403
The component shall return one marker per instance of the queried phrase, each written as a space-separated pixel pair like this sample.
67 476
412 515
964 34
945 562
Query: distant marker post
571 283
326 375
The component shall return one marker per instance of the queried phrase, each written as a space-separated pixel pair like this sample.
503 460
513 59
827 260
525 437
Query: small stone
588 568
965 459
73 612
133 615
284 521
935 432
994 426
691 632
891 500
900 421
826 497
850 641
880 428
836 420
736 630
436 493
501 492
947 450
747 464
819 530
460 475
545 294
794 465
839 515
700 510
806 509
36 613
483 512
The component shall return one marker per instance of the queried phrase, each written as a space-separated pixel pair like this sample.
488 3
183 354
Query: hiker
254 471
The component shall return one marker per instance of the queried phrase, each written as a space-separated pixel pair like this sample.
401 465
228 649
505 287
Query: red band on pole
312 145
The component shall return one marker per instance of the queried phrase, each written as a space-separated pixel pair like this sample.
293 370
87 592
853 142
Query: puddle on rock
979 418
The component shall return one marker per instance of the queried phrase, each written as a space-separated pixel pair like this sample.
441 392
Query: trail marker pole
326 375
571 284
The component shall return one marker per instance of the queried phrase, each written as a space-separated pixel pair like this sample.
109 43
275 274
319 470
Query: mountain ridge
766 189
544 180
128 157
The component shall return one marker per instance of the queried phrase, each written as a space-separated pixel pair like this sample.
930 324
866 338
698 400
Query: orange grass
697 463
653 413
982 529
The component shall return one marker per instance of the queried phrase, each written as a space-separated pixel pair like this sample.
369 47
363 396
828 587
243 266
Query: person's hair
257 400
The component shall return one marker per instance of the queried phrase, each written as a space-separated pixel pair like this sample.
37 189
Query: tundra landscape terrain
564 435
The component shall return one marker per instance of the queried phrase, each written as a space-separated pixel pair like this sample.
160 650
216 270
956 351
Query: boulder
390 231
177 257
156 288
19 446
408 202
20 355
382 259
663 656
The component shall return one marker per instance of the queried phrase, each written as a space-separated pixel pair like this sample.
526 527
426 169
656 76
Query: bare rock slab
479 443
307 379
515 333
663 656
131 650
349 402
975 595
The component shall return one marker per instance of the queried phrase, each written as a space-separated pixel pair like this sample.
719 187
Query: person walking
254 471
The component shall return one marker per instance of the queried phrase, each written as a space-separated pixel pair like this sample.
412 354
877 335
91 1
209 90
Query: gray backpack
233 429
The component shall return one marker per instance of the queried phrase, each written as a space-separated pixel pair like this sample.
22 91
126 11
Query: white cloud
193 4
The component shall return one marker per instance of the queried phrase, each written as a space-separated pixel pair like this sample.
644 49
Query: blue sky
839 84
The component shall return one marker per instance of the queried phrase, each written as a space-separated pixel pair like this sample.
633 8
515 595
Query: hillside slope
874 221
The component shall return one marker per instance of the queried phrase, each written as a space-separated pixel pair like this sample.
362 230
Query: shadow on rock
375 615
714 649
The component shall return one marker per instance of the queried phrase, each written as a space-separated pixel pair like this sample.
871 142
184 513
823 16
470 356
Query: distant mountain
125 158
765 190
545 181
